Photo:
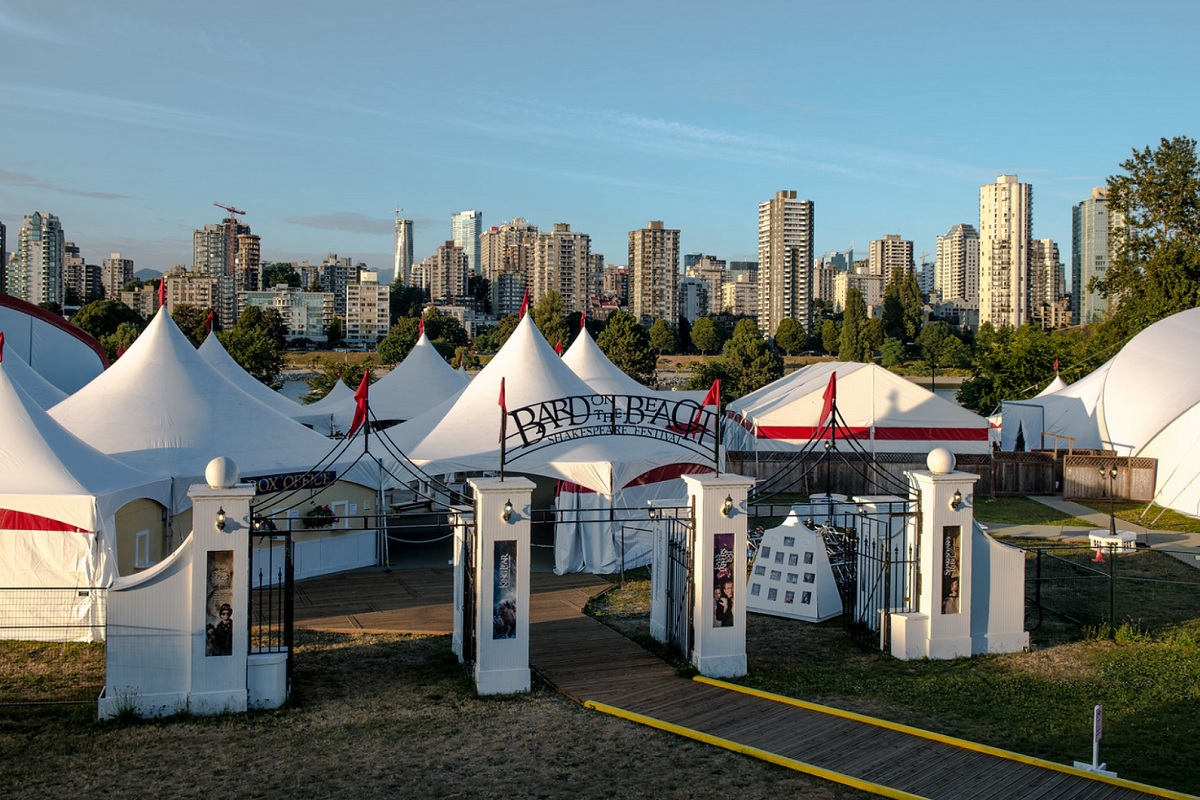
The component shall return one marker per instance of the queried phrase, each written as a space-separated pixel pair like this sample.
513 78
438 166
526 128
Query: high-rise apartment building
212 246
785 261
694 299
890 255
35 269
506 255
115 272
1005 230
248 262
956 275
712 271
403 262
654 273
447 272
195 289
368 305
335 273
1091 255
1047 286
562 262
465 229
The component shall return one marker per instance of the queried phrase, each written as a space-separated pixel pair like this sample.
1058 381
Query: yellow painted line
789 763
950 740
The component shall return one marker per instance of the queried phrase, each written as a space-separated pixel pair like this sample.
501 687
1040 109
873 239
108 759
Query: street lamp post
1111 474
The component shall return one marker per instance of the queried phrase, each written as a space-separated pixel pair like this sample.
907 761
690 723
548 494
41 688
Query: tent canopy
883 411
217 357
62 353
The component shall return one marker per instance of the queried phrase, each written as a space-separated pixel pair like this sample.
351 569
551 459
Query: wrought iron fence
1073 589
52 645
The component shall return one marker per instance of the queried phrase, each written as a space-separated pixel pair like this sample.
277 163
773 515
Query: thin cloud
349 221
23 29
24 181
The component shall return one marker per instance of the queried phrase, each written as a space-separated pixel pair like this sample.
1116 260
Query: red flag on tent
829 397
713 398
162 292
1 345
558 348
583 318
1056 366
208 322
421 328
524 304
360 402
503 411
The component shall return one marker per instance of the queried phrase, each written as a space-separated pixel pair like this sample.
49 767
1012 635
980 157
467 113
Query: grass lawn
1157 517
1022 511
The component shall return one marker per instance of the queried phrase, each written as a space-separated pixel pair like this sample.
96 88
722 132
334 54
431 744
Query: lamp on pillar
727 506
507 513
955 500
220 521
653 510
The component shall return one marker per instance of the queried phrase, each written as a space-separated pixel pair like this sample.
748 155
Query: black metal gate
468 544
881 568
679 590
272 595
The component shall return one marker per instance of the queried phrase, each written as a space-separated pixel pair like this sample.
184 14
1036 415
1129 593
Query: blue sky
128 119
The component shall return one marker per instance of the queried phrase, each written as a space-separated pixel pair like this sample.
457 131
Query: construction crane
232 247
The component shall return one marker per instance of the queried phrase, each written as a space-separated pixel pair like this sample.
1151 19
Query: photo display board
791 576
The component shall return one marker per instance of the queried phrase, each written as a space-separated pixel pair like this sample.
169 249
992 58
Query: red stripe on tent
566 487
23 521
881 434
669 472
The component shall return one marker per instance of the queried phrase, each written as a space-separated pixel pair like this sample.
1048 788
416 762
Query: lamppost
1111 474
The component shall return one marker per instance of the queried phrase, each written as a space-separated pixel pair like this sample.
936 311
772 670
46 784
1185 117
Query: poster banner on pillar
723 580
504 590
951 568
218 605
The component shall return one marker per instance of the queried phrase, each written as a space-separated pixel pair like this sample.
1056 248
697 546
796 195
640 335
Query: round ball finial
221 473
940 461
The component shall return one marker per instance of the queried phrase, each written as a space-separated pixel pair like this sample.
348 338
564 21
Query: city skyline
128 124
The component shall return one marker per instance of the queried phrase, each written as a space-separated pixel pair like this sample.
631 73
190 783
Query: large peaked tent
217 357
30 381
58 504
62 353
883 412
462 435
162 409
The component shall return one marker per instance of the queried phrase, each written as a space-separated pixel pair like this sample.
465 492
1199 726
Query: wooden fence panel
1085 477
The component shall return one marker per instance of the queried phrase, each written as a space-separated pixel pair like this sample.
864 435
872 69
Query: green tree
445 333
191 320
334 332
627 345
935 344
1155 269
903 309
266 321
256 352
1007 364
280 273
749 360
550 316
504 329
854 345
120 340
405 301
683 328
326 373
702 374
891 353
831 337
790 336
707 335
663 338
101 318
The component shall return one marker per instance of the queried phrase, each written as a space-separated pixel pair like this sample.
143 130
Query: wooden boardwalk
600 668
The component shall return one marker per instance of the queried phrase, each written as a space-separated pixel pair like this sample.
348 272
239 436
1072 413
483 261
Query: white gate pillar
941 628
719 573
501 564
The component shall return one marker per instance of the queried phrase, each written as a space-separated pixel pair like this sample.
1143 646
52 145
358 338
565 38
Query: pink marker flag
421 328
360 402
583 318
829 397
524 305
208 322
558 348
162 291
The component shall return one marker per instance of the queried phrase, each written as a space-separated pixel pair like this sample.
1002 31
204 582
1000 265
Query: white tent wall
30 381
884 412
62 353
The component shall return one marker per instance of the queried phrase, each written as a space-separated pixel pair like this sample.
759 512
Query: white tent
1066 418
415 385
322 416
58 504
62 353
884 413
1056 385
462 435
217 357
161 408
40 390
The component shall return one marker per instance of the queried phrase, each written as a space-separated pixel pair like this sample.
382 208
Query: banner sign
683 422
723 580
287 481
504 590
